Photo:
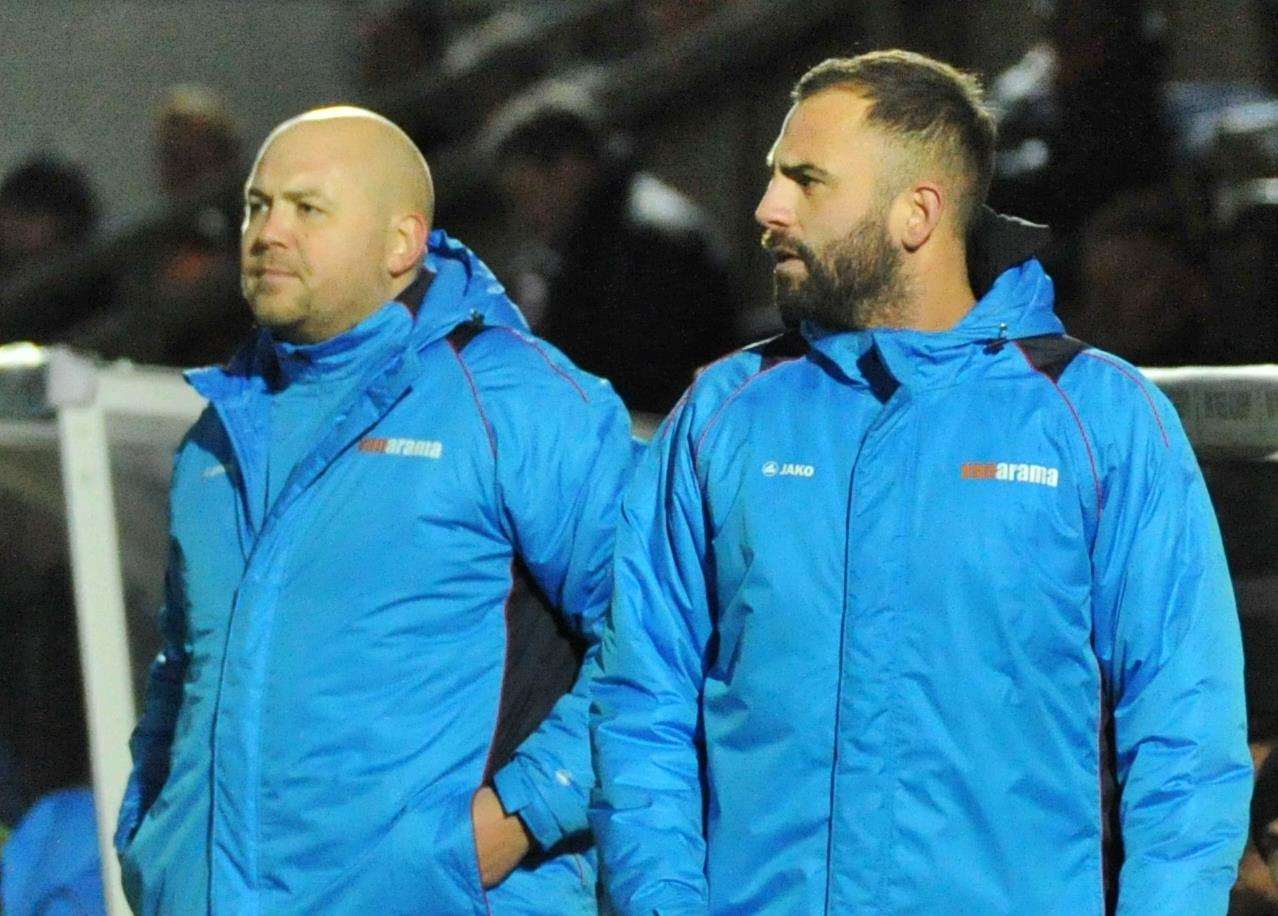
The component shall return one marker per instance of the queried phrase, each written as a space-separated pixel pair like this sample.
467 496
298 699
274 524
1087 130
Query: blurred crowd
1159 192
1162 196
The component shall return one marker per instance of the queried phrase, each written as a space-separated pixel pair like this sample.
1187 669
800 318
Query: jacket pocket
425 862
130 855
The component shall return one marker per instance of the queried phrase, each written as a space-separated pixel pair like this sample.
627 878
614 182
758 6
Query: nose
268 230
776 207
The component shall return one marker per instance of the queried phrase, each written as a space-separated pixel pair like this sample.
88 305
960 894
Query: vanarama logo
410 448
788 469
1011 471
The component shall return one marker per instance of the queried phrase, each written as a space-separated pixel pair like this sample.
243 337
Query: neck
942 291
401 283
392 291
306 334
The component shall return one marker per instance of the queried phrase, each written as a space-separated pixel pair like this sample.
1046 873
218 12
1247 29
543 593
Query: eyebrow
796 170
294 195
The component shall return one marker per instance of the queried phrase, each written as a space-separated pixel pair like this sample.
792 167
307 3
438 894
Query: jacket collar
1017 303
460 288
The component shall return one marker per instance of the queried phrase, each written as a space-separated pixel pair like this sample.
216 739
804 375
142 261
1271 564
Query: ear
924 204
407 243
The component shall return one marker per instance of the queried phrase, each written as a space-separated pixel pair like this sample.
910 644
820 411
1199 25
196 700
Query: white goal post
55 407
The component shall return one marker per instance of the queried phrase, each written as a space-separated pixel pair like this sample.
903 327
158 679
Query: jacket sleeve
1167 638
647 810
153 735
561 472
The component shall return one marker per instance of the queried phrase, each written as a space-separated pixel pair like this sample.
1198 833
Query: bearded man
353 711
920 607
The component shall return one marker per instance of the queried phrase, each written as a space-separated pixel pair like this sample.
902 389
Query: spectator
1080 121
45 206
197 144
46 209
183 302
1081 116
618 269
1159 321
669 19
401 42
1244 326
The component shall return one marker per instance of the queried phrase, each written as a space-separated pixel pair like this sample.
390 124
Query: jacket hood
1017 302
462 288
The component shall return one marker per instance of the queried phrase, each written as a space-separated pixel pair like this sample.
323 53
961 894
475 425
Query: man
332 724
1086 114
47 209
1163 321
618 269
182 290
896 591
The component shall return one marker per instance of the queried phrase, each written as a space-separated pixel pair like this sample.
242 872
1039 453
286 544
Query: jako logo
1011 471
772 469
411 448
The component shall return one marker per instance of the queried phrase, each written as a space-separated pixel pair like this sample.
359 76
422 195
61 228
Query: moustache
257 269
781 247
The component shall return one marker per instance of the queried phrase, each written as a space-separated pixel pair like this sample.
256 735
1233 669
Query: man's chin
790 296
271 310
793 310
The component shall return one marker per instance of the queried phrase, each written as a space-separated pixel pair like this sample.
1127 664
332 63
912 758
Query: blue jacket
50 866
328 697
877 595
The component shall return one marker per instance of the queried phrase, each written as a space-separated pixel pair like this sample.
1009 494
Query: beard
854 283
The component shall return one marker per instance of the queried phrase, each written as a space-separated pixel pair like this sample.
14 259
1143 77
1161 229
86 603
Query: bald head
384 159
339 205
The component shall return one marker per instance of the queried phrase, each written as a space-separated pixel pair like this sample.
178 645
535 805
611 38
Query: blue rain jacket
877 594
50 866
328 695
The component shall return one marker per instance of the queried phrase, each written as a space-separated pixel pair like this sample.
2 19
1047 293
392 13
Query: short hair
1151 212
190 106
546 126
937 110
48 185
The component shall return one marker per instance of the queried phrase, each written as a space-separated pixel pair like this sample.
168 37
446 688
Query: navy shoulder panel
465 332
789 345
543 659
1050 354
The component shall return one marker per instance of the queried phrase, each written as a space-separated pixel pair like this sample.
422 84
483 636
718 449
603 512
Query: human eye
813 179
802 177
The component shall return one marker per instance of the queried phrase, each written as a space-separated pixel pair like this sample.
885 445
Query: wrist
519 798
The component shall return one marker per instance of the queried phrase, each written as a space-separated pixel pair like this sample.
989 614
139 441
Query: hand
501 839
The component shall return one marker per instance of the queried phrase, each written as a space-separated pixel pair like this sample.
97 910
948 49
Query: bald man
358 707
